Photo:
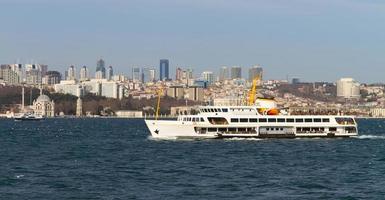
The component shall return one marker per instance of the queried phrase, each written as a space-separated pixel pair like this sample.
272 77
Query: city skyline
297 38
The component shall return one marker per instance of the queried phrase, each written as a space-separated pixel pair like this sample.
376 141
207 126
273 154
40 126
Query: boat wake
241 139
371 137
162 138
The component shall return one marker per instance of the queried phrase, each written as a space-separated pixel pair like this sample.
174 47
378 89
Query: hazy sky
310 39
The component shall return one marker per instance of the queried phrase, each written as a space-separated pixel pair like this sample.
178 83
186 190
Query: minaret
79 107
41 90
22 98
79 103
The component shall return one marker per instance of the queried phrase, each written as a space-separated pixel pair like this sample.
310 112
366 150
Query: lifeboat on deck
267 106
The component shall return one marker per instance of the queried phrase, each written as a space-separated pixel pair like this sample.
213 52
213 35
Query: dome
43 98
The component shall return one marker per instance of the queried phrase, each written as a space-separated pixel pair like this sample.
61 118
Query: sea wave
371 137
241 139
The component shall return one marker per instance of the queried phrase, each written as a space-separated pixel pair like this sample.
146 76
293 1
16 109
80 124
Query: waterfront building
348 88
236 72
377 112
44 106
129 113
100 87
223 73
254 72
83 73
164 70
208 76
100 67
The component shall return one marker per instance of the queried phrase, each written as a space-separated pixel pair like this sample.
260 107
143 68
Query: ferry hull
173 129
177 129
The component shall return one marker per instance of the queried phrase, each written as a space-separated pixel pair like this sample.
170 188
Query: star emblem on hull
156 131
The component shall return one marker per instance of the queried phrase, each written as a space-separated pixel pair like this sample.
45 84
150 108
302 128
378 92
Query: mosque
44 106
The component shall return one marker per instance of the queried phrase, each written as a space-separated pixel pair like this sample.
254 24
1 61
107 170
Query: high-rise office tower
43 69
223 73
236 72
254 72
178 74
148 75
52 77
110 73
71 73
348 88
164 70
83 73
33 74
136 74
151 73
208 76
100 67
9 74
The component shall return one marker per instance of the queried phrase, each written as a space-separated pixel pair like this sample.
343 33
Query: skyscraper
236 72
83 73
52 77
151 73
164 70
110 73
33 74
136 74
254 72
100 67
208 76
178 74
71 73
9 74
148 75
223 73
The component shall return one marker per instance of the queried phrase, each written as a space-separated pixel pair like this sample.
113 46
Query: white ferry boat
260 121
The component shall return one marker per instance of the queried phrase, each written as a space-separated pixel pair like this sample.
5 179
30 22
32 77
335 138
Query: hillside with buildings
106 92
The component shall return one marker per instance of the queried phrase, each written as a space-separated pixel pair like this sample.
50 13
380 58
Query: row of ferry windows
289 120
193 119
215 110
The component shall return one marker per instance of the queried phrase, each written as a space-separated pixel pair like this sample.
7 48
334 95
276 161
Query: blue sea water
116 159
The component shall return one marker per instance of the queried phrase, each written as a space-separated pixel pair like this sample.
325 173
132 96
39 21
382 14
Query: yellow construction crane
160 92
253 90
